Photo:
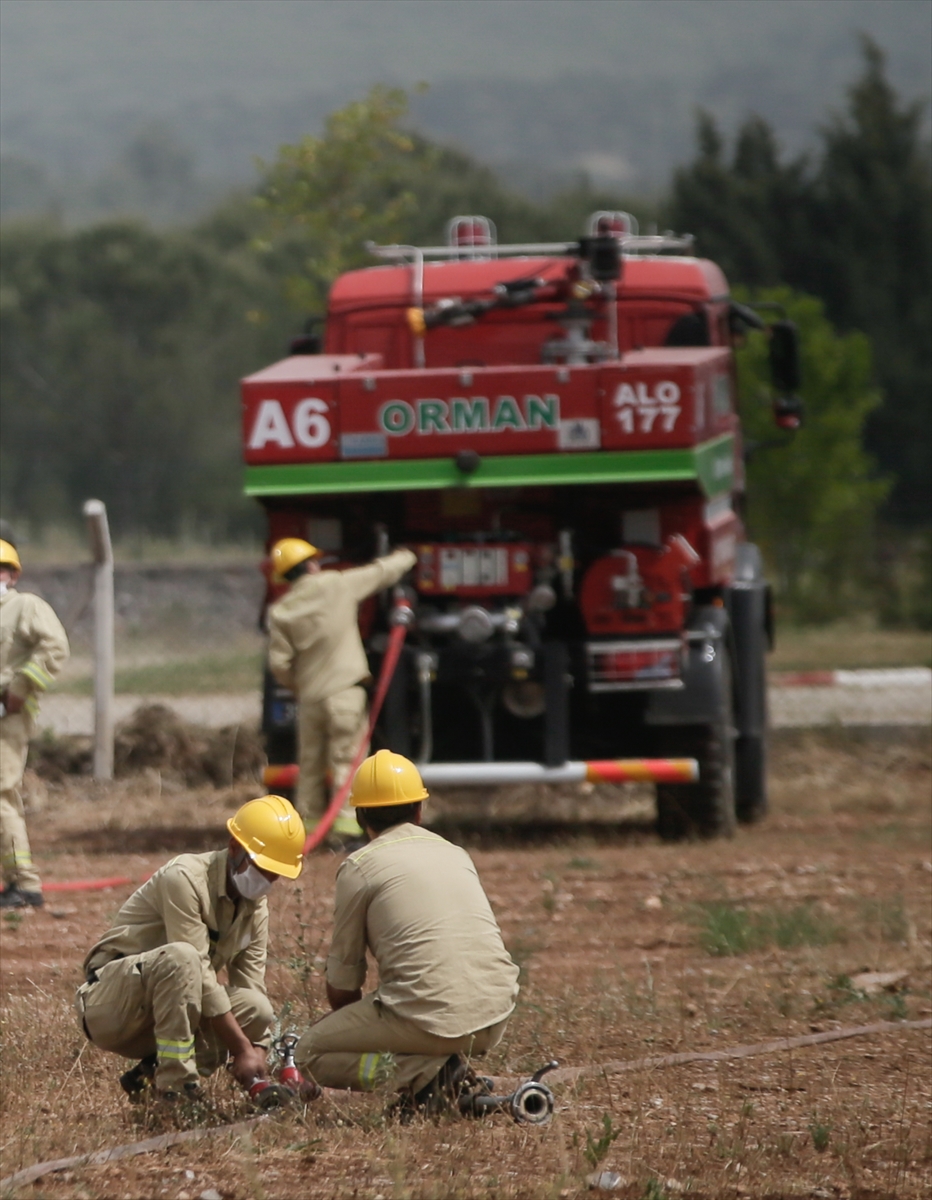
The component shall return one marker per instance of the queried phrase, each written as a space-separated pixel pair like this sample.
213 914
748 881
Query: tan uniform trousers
329 735
150 1003
365 1046
15 854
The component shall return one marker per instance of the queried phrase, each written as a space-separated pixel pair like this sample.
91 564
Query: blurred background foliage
121 344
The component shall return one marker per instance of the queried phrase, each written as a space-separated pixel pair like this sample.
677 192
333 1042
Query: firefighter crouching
316 651
33 649
151 989
447 985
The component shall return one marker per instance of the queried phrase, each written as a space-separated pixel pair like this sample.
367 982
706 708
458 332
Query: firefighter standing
151 989
447 985
315 650
33 649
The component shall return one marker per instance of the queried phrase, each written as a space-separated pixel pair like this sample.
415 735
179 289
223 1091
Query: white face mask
3 587
251 883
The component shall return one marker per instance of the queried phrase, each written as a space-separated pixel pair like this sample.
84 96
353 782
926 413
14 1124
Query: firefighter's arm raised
381 574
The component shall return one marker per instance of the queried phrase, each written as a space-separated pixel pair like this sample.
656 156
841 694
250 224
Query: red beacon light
612 224
471 234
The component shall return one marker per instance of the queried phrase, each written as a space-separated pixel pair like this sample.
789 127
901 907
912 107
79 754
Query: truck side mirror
784 356
785 374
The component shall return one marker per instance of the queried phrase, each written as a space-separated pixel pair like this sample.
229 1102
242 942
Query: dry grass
849 644
616 964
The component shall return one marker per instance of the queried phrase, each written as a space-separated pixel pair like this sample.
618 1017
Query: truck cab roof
687 279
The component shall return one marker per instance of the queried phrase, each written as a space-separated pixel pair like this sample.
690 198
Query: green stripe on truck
711 464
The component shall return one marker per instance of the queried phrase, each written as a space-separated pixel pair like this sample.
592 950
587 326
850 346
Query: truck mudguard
749 605
704 675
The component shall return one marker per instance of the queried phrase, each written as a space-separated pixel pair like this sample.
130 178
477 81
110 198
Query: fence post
95 512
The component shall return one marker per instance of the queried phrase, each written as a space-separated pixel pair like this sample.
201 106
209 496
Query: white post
95 512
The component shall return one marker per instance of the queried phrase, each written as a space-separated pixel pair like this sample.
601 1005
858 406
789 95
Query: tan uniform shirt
314 643
187 901
416 902
33 646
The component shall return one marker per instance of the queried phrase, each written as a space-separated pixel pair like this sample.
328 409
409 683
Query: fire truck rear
553 430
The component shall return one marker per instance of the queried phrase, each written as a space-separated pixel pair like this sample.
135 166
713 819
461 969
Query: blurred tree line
853 228
121 347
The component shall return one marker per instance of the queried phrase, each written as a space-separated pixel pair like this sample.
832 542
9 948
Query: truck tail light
634 665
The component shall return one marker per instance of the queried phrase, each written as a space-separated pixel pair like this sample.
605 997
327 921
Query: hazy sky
78 50
77 76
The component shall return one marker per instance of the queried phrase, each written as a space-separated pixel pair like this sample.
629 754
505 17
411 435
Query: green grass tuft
236 672
597 1148
727 929
821 1135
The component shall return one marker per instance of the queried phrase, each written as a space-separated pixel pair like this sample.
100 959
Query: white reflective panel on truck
479 567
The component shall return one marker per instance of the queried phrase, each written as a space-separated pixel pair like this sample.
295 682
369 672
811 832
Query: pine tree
854 228
871 261
747 212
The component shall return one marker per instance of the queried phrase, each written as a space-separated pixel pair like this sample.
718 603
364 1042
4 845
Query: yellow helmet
288 552
385 779
8 556
271 832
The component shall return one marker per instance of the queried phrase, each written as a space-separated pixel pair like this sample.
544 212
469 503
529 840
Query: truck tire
705 809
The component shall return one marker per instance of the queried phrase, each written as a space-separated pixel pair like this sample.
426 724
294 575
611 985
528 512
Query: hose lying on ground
98 1157
571 1074
566 1075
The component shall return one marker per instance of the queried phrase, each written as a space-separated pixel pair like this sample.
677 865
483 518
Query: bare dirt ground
628 948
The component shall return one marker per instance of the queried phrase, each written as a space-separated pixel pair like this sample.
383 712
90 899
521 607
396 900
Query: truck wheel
750 778
705 809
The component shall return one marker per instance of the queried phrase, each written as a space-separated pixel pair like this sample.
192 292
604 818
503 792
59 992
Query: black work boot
438 1096
137 1081
14 897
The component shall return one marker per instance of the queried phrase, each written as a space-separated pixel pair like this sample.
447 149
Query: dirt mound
155 738
233 753
53 757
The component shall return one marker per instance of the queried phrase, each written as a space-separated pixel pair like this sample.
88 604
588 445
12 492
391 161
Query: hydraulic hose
389 663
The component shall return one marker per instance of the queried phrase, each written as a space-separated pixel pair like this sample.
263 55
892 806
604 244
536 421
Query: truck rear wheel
705 809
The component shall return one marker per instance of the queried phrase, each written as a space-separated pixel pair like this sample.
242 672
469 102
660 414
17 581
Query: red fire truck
553 429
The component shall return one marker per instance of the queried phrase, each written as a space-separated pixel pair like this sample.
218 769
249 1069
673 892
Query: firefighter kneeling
447 985
152 991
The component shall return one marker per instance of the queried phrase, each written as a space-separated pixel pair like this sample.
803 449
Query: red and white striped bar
614 770
482 774
280 775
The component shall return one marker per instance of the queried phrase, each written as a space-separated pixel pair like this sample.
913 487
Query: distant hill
95 93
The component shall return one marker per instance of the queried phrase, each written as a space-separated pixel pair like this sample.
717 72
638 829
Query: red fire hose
389 662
